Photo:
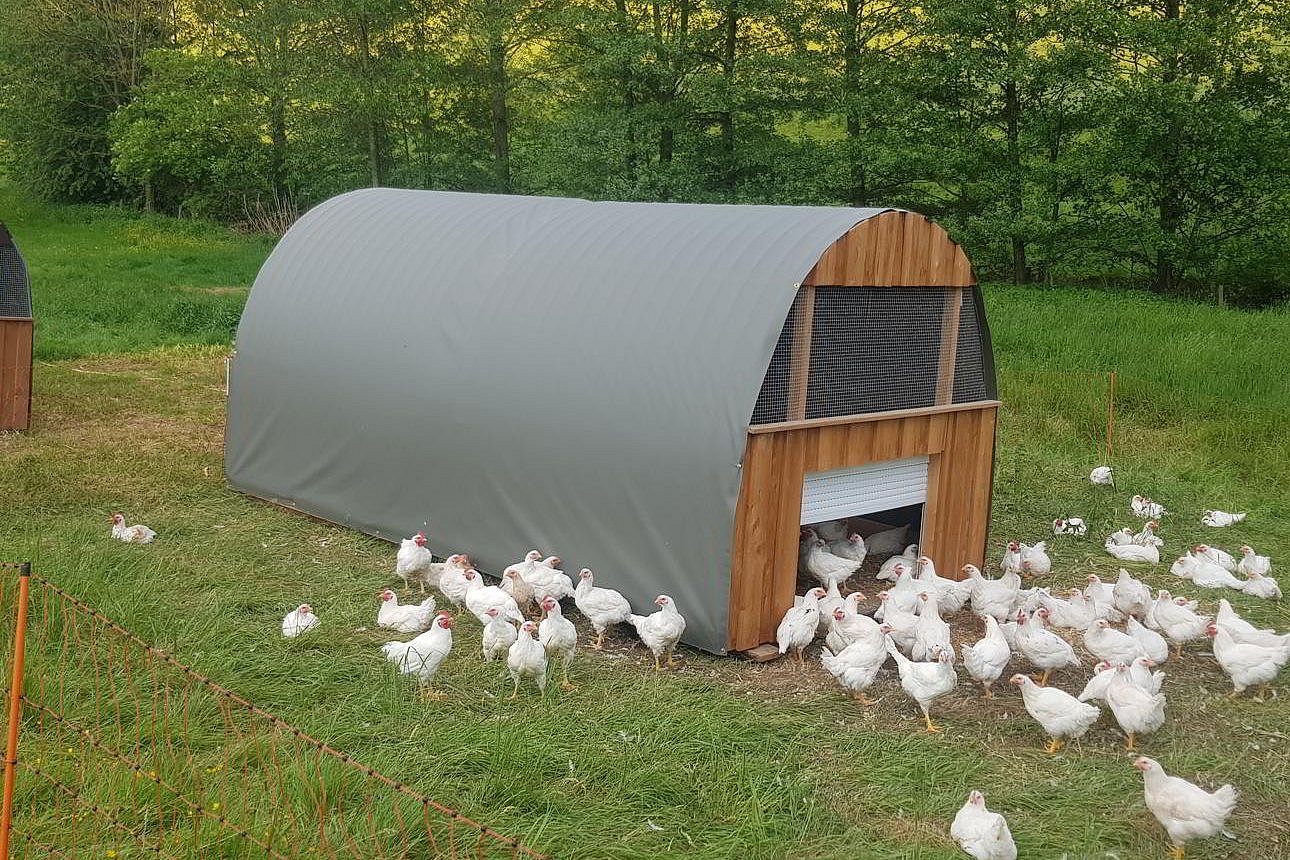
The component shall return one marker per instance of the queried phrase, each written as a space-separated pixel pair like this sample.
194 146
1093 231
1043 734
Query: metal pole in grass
15 709
1110 416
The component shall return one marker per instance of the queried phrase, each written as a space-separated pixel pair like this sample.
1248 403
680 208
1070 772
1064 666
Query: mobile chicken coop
15 337
661 392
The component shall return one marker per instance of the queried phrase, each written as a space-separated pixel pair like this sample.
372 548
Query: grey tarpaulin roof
523 372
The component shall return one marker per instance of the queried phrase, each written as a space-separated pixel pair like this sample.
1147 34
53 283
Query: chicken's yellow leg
801 661
516 691
1178 853
988 694
657 667
1054 745
1234 694
600 641
931 727
1131 742
859 696
565 685
671 657
1043 679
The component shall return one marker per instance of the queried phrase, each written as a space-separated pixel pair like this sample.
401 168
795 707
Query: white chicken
993 597
931 633
982 834
660 631
831 530
299 620
1102 475
902 623
1106 643
1244 631
903 596
907 558
1070 526
548 580
479 598
924 682
1059 714
1074 613
1262 586
414 561
1121 537
951 594
852 547
1140 673
887 541
1146 509
453 583
1101 598
1246 664
1095 689
407 618
1178 623
1215 556
986 660
1147 537
524 566
1137 711
856 665
1133 552
1130 596
1203 572
1011 561
526 658
422 655
498 636
1252 562
603 607
1035 560
831 600
131 534
1044 648
1153 645
827 567
1186 811
559 637
849 624
1220 519
799 625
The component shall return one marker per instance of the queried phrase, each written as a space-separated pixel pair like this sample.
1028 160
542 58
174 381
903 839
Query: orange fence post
15 709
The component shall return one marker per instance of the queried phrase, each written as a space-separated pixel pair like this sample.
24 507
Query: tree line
1118 142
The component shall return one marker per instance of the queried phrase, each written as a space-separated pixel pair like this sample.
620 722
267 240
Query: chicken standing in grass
1106 643
479 598
1042 647
1061 715
931 632
453 582
1186 811
518 588
799 625
924 682
1011 561
660 631
986 660
1153 645
1138 711
951 594
423 655
299 620
1247 665
414 561
559 637
407 618
856 665
1130 596
1102 475
982 834
603 607
1178 623
131 534
498 636
526 658
993 597
548 580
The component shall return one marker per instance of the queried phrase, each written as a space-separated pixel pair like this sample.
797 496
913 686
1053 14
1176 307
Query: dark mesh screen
15 292
874 350
969 363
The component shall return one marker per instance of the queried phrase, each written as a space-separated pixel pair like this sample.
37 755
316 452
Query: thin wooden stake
1110 416
15 709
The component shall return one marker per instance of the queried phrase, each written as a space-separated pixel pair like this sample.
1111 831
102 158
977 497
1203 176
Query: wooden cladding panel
894 249
15 373
960 444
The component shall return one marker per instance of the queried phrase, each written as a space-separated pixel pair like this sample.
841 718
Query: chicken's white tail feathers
636 622
1227 796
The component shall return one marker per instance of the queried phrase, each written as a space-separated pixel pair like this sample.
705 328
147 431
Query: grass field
724 758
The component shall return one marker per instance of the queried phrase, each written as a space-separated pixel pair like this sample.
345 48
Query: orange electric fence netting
127 752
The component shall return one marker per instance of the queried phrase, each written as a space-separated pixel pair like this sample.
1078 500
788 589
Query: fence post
15 709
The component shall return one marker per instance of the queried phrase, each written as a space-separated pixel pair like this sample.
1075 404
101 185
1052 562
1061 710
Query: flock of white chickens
907 626
1125 628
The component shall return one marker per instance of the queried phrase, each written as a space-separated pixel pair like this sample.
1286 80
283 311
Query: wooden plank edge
867 417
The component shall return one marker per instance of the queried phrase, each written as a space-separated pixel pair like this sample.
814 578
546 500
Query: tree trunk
278 145
1016 201
501 114
726 120
1170 206
371 122
858 193
667 134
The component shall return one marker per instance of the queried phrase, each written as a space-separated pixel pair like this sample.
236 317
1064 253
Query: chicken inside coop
849 553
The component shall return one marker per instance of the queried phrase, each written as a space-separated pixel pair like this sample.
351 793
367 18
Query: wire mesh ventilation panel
871 350
15 290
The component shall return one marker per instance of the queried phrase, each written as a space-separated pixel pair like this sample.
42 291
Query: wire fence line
126 751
